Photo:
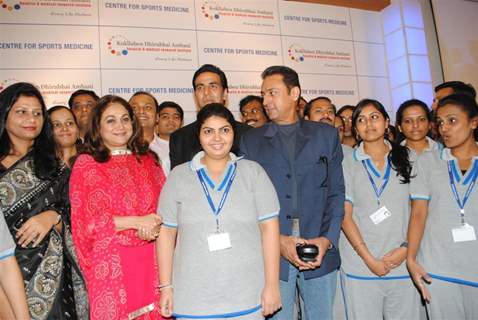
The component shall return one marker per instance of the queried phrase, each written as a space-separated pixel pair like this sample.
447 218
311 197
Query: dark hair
458 87
217 110
61 107
289 76
94 144
171 104
248 99
398 155
213 69
81 92
464 101
309 104
345 108
144 93
44 159
410 103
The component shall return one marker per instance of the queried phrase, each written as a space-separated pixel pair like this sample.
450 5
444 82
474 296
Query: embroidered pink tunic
119 268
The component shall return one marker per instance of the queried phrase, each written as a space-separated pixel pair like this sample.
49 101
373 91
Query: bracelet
164 286
404 244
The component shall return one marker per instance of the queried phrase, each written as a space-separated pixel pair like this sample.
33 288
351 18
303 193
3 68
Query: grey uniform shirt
432 146
7 246
388 234
230 280
438 253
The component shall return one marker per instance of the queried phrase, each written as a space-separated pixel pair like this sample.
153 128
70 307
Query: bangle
164 286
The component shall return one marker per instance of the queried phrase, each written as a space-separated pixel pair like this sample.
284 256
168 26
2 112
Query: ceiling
373 5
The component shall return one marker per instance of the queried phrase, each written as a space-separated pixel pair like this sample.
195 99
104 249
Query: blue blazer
321 191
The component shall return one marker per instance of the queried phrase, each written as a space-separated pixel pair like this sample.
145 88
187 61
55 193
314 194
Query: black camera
307 252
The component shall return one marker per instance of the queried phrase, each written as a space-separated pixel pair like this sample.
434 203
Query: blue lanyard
217 211
386 178
459 202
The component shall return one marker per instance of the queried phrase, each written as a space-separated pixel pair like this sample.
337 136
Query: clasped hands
147 227
389 261
288 249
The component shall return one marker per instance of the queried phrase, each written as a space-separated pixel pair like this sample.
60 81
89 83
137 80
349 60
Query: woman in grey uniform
375 283
218 251
413 120
442 257
11 280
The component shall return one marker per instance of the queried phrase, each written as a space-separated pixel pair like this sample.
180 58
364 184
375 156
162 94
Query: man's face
208 89
169 121
279 103
253 114
440 94
145 110
322 111
81 107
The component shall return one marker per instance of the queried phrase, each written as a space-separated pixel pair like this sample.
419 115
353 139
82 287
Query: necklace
120 152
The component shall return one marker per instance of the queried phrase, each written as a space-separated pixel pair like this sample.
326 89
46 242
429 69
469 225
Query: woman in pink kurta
114 190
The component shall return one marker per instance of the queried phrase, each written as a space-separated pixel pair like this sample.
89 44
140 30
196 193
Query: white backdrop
122 46
457 28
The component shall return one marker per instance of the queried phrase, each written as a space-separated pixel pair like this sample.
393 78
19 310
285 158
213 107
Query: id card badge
380 215
219 241
464 233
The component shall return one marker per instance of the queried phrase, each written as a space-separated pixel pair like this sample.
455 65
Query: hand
419 276
270 300
288 250
148 236
395 257
166 302
378 267
148 226
34 230
323 244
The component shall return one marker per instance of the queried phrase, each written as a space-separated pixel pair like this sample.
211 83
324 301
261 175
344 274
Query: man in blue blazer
304 161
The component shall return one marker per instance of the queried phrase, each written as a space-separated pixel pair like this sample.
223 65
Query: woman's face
216 137
25 120
346 115
415 124
371 124
65 129
454 125
116 127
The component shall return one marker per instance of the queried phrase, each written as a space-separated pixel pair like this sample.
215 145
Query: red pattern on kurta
119 268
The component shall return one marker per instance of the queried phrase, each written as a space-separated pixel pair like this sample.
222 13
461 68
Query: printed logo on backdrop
58 93
119 45
329 57
327 92
48 4
315 20
294 53
215 10
7 82
10 5
244 89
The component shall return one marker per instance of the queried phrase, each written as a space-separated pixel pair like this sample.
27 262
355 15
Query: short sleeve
168 204
265 196
420 182
7 246
348 178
